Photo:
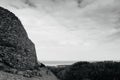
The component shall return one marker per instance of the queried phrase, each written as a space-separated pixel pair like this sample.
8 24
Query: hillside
44 75
103 70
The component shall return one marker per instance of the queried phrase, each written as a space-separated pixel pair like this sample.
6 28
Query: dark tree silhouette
107 70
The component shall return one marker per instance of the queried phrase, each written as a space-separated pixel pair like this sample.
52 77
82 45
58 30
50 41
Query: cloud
61 29
29 3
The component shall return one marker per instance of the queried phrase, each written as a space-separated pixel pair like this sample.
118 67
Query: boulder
16 49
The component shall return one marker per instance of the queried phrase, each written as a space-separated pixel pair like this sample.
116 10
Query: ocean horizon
56 63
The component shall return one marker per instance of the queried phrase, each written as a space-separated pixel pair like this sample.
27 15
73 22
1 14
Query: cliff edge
18 59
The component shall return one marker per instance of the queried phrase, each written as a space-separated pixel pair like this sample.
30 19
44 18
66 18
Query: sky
63 30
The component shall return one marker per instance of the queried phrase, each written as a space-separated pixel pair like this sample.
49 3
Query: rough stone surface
44 74
16 49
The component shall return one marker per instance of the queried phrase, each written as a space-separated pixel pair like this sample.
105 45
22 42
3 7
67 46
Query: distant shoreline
56 63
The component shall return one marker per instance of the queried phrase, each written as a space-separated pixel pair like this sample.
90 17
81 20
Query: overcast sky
63 31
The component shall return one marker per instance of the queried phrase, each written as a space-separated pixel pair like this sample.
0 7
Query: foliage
107 70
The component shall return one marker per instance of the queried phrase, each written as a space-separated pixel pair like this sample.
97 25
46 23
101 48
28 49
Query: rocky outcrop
16 49
44 74
18 59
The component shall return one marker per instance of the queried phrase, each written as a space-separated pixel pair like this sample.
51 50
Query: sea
57 63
